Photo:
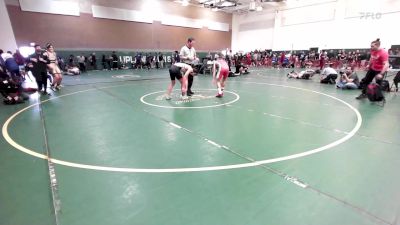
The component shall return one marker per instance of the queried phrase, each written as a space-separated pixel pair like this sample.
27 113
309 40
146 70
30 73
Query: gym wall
326 24
169 27
7 39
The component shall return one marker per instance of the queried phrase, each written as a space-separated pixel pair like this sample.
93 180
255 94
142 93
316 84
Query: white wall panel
310 14
49 6
357 8
7 38
253 31
166 19
328 25
181 21
216 25
120 14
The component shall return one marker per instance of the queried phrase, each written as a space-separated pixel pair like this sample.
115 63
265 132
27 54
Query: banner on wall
132 59
125 57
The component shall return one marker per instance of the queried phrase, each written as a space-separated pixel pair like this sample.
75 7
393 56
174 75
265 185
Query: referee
188 56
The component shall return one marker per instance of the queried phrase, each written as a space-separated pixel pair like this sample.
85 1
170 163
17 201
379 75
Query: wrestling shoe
361 96
53 88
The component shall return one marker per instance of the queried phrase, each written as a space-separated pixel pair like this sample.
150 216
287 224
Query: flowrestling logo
370 15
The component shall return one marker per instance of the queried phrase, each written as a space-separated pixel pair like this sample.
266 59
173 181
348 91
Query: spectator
19 58
161 60
348 79
10 90
209 56
81 61
282 59
61 63
12 66
157 57
240 68
38 66
176 58
109 62
148 61
71 60
229 57
93 61
322 58
104 62
138 59
2 63
114 61
329 75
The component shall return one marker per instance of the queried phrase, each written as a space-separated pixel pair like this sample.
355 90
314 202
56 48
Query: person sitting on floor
329 75
240 68
348 79
10 90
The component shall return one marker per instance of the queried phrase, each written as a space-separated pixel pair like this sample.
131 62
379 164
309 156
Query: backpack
396 80
385 85
374 93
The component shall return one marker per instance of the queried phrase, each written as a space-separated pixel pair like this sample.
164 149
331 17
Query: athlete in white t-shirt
179 71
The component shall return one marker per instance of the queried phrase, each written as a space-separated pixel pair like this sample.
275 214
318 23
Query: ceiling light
185 2
227 4
26 51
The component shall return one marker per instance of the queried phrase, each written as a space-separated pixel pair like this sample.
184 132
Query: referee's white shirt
187 52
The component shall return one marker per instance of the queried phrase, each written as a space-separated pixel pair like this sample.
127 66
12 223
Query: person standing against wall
81 62
188 56
161 60
322 59
114 60
176 57
93 61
